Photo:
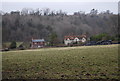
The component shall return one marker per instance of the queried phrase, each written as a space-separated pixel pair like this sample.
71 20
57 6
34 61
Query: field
85 62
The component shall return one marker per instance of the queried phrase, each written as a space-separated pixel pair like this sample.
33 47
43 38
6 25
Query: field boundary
64 48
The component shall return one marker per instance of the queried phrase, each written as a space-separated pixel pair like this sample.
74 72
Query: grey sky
68 7
60 0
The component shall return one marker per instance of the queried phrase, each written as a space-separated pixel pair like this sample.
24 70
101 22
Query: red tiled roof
72 37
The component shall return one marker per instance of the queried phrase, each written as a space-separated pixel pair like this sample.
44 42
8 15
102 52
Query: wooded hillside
22 26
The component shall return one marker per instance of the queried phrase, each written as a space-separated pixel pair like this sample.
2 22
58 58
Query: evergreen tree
13 45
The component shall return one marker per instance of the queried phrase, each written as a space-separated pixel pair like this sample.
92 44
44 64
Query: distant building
37 43
74 39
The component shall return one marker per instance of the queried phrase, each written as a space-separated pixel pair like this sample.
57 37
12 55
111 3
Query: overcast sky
60 0
68 6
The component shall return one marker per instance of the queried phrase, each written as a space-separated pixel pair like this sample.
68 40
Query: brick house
37 43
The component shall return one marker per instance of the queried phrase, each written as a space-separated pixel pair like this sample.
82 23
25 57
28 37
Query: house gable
76 39
83 39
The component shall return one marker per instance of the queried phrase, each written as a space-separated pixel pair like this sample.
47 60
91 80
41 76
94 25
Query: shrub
21 47
13 45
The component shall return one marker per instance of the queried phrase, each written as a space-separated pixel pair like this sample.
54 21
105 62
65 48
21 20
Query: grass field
85 62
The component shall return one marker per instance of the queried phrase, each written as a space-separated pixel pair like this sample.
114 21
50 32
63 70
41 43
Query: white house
74 39
68 41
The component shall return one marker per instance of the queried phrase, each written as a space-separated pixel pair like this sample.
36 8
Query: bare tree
46 11
24 11
93 12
